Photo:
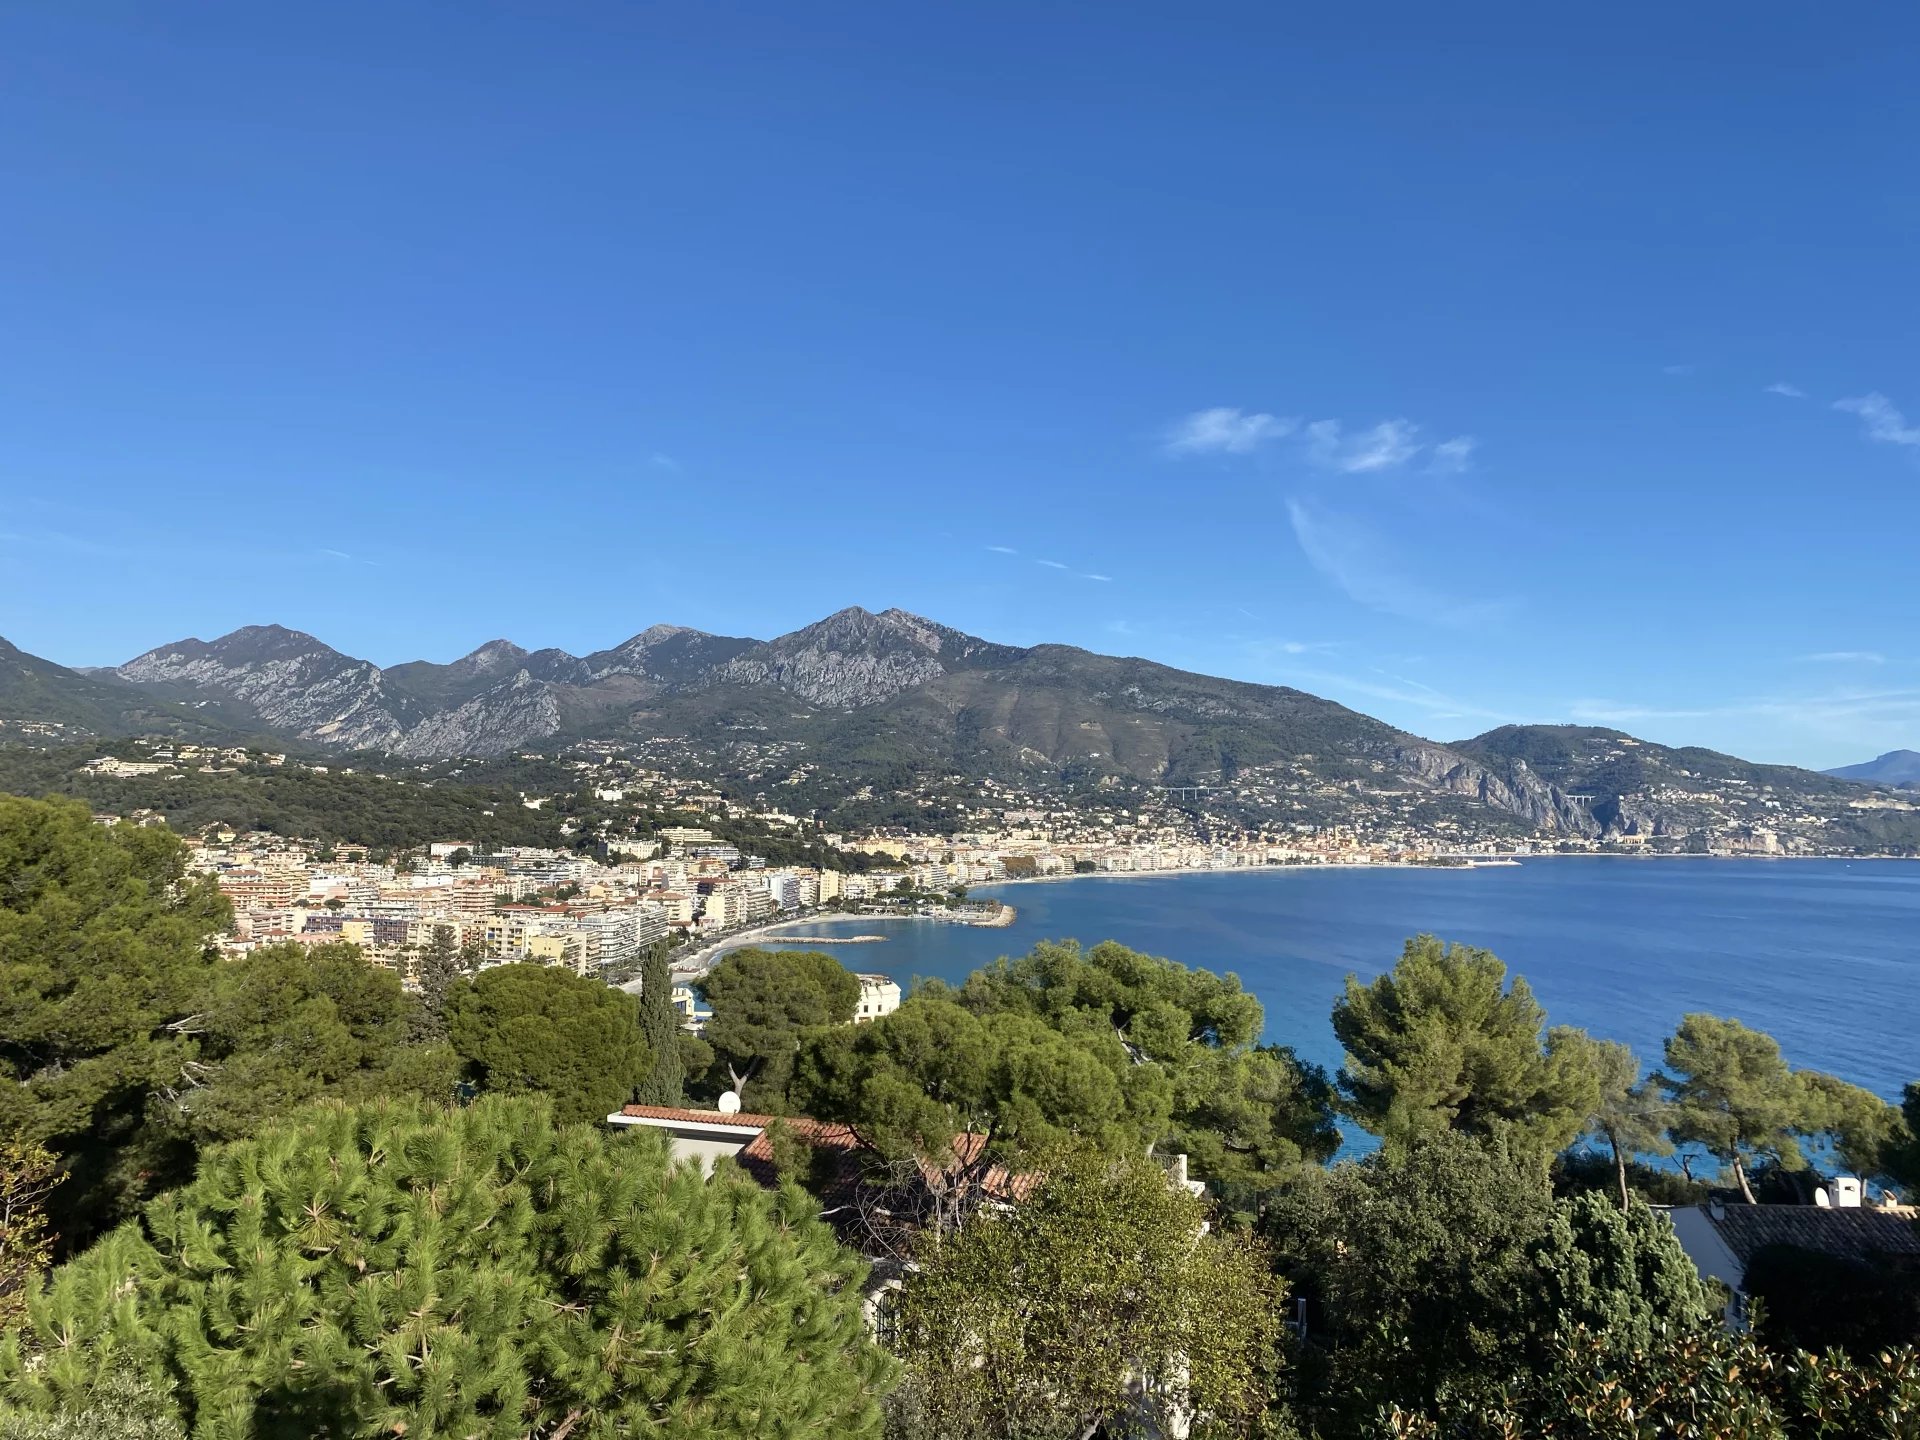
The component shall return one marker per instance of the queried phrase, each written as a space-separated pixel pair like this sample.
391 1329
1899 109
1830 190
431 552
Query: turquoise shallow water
1824 955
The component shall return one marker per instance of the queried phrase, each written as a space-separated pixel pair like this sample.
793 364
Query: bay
1823 955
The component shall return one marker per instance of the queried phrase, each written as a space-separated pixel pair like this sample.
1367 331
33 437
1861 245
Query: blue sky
1464 364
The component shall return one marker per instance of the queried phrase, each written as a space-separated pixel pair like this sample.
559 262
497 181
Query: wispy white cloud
1224 430
663 462
1365 567
1845 657
1327 444
1451 457
1843 711
1067 569
1781 387
1883 421
1385 446
1678 369
1389 690
1003 549
336 554
1302 647
59 542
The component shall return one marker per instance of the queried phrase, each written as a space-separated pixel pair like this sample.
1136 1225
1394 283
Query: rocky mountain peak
493 656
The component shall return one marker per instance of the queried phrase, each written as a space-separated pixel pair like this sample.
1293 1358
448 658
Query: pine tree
1631 1114
105 962
660 1025
396 1268
1734 1093
762 1002
541 1029
1442 1042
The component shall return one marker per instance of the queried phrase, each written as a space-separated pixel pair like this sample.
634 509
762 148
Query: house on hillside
1725 1240
879 995
875 1206
707 1136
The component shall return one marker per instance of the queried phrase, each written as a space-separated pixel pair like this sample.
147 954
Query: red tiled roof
757 1156
695 1117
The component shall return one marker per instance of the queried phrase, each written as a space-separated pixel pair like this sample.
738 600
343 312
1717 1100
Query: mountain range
860 696
1896 767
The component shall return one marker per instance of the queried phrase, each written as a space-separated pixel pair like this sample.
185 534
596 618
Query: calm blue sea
1824 955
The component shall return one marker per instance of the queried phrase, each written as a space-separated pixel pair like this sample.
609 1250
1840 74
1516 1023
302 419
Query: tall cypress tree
661 1027
441 964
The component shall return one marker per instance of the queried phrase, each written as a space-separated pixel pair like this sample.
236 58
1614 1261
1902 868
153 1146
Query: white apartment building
879 995
784 887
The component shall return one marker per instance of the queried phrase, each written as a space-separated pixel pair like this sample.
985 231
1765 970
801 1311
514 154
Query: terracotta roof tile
695 1117
847 1170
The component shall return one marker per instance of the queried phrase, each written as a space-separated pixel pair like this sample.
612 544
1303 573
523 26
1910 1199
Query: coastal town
640 853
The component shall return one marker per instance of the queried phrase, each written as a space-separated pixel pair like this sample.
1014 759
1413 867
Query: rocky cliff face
848 660
510 716
303 688
289 680
1518 791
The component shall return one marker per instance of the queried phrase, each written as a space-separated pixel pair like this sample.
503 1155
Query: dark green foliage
1447 1267
104 957
1867 1135
288 1023
362 808
1246 1114
539 1029
660 1028
696 1055
1441 1042
1691 1383
763 1002
39 690
28 1173
1579 1170
1617 1272
1099 1305
1412 1266
1902 1157
935 1086
486 1272
1811 1301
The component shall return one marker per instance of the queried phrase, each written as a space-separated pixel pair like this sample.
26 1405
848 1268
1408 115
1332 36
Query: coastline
1491 862
698 961
706 956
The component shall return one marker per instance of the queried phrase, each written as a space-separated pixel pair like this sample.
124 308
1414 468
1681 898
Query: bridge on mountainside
1185 792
